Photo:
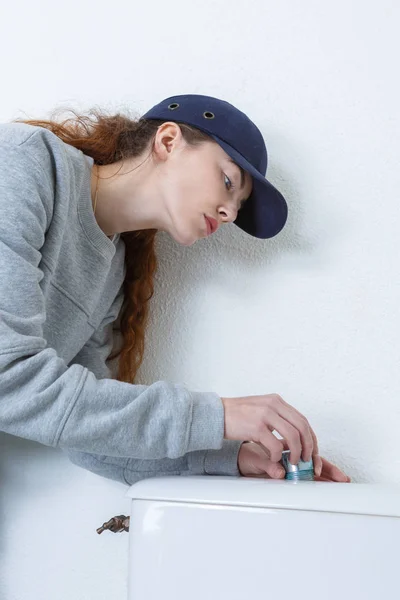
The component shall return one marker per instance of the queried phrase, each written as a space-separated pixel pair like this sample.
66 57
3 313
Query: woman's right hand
254 418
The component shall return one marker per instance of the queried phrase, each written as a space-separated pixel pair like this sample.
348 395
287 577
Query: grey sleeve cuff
216 462
207 423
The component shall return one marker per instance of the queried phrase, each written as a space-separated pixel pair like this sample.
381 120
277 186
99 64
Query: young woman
80 204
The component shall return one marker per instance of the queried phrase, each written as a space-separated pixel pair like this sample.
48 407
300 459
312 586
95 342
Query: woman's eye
228 183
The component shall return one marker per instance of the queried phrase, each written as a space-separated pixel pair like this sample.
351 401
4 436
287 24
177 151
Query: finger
316 458
300 423
285 444
289 433
271 445
263 466
318 466
274 470
315 441
315 450
333 473
317 461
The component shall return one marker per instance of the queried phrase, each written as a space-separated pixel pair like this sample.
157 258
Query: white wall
312 314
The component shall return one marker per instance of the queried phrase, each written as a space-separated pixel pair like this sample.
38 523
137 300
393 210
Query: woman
80 204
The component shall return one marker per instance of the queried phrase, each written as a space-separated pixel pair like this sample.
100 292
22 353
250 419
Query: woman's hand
332 473
254 418
253 461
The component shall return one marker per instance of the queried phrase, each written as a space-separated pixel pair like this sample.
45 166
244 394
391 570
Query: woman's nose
228 214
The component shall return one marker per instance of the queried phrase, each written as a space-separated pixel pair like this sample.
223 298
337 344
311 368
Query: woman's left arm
131 470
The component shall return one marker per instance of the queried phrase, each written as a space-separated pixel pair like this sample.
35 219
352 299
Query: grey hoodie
60 292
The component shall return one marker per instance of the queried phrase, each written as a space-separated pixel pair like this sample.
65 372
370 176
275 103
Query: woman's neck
125 197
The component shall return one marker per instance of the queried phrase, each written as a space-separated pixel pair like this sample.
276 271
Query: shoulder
39 144
19 134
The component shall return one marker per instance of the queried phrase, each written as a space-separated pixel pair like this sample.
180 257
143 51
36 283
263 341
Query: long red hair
108 138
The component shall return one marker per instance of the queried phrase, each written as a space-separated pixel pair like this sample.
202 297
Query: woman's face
201 187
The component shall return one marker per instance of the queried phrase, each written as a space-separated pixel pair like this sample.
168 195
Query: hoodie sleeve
129 470
41 397
94 353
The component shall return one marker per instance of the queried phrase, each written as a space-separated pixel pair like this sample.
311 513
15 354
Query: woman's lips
212 225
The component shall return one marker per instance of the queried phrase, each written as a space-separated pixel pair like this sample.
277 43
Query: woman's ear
168 137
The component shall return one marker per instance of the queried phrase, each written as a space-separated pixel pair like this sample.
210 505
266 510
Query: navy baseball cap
265 212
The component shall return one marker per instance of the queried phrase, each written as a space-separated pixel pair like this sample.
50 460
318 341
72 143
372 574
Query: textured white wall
313 314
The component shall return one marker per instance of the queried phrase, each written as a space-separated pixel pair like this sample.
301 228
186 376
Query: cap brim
265 212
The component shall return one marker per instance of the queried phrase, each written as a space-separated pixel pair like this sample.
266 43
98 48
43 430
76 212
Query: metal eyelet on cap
208 115
173 106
